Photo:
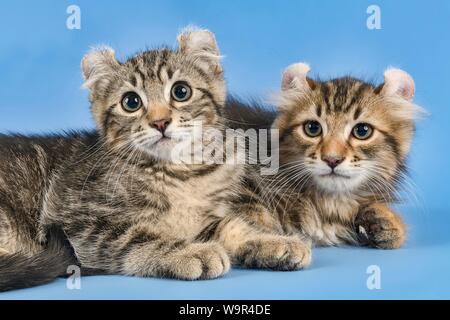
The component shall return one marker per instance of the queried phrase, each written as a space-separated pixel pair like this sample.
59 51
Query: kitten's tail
18 271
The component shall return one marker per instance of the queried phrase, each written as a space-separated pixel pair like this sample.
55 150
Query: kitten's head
152 101
346 135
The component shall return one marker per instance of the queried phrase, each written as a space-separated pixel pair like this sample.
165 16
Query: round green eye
131 102
362 131
312 128
181 91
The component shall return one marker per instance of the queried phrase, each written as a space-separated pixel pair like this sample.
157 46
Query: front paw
200 261
377 226
275 252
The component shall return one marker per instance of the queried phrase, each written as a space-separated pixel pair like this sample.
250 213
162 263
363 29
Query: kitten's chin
170 150
160 150
334 183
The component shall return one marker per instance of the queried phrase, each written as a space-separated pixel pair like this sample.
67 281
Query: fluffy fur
123 205
19 270
349 203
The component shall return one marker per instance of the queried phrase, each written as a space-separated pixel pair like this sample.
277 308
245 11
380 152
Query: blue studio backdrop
40 91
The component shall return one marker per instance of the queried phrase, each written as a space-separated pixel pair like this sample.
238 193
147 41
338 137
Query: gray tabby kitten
124 207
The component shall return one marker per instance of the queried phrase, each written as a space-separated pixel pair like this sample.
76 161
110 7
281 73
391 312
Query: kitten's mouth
334 174
161 141
164 139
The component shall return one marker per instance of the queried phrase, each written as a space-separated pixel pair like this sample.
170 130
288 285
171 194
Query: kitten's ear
295 77
201 43
98 62
398 83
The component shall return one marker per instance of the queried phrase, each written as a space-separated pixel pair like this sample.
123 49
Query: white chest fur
331 220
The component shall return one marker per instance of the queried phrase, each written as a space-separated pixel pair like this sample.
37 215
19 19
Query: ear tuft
201 44
295 76
98 59
197 41
398 83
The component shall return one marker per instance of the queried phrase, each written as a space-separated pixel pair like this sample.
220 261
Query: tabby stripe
199 113
206 170
161 65
325 91
208 94
133 80
357 113
202 74
107 118
141 76
287 132
319 110
208 232
115 233
176 175
141 237
340 97
392 142
169 73
100 226
356 96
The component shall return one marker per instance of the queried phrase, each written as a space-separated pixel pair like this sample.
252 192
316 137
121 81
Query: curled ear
398 83
98 62
295 77
201 44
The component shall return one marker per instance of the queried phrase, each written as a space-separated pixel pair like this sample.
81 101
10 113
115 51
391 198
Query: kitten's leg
142 251
378 226
250 247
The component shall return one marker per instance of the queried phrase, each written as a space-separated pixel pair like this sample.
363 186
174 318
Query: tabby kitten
343 146
123 204
347 141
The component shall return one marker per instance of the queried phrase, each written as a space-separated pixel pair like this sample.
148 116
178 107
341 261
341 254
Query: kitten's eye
312 128
131 102
362 131
181 92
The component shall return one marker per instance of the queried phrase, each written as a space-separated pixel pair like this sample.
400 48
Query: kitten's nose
161 124
333 161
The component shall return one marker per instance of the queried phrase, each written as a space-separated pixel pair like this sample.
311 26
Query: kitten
343 146
124 206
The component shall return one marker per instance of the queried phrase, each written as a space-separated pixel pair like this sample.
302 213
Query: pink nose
333 162
161 125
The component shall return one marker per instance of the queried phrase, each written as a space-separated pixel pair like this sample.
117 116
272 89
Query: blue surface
40 91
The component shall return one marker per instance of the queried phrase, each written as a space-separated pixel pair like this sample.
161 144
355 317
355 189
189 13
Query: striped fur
352 208
124 207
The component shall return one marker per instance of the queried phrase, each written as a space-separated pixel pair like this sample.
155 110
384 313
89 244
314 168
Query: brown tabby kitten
343 146
123 205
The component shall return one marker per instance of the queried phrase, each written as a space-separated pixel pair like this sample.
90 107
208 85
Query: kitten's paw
276 253
201 261
377 226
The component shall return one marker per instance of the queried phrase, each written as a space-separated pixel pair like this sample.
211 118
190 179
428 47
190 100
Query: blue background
40 91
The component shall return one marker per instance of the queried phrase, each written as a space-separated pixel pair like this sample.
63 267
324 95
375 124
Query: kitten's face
154 101
345 134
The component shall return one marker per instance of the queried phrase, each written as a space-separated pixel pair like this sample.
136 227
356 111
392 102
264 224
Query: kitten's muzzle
161 124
